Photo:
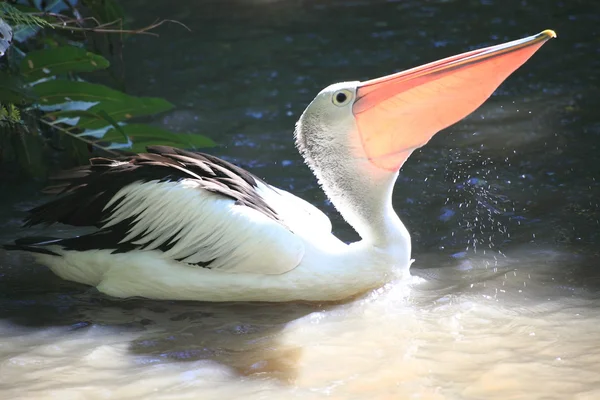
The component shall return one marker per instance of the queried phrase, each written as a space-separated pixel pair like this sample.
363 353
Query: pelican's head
356 135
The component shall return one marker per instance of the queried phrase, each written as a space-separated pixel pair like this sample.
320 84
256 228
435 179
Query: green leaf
12 90
116 105
134 107
73 114
88 116
59 91
148 135
116 126
59 60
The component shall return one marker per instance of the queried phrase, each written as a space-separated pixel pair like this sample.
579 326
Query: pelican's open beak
398 113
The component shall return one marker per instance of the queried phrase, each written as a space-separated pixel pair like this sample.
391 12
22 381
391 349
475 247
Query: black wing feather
86 190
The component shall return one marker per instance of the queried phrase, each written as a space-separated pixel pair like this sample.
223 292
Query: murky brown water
503 209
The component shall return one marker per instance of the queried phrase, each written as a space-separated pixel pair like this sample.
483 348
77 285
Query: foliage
16 17
42 79
10 114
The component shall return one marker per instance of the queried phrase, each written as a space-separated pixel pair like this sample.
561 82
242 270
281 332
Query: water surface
504 302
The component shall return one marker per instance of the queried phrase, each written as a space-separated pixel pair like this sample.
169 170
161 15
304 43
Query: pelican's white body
254 257
266 261
322 275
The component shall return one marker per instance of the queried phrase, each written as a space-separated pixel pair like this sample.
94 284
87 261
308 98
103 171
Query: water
503 211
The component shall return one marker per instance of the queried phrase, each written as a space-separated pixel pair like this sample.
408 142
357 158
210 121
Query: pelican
183 225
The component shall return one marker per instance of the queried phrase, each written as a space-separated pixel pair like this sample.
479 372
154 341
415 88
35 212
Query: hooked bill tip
548 32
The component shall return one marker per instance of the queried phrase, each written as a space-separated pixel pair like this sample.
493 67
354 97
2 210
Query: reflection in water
516 318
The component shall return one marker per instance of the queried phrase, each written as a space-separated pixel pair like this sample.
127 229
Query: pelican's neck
361 192
374 216
366 204
364 198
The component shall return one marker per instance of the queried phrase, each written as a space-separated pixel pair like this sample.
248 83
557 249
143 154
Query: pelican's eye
342 97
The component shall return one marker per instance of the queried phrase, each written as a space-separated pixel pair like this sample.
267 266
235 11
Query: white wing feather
301 216
205 227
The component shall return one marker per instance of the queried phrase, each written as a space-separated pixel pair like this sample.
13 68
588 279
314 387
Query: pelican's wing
185 206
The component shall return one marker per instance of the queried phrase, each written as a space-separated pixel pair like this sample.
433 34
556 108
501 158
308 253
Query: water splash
477 196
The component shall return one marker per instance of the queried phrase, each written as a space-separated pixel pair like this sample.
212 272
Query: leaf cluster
43 77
